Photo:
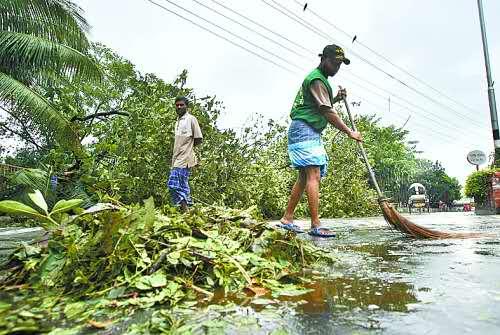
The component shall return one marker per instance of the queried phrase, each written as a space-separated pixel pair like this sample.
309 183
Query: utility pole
491 90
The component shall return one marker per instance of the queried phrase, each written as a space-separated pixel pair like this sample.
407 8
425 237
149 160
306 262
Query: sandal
321 232
291 227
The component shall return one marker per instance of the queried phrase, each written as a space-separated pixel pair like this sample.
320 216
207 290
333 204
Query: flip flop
291 227
321 232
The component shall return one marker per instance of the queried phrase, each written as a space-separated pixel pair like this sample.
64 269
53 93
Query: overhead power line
230 41
285 11
233 34
250 29
376 108
436 119
441 123
222 37
421 127
259 25
350 36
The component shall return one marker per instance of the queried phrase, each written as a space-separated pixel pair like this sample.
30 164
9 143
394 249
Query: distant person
187 136
311 112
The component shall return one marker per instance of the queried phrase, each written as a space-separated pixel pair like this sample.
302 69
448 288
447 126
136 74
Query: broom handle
363 153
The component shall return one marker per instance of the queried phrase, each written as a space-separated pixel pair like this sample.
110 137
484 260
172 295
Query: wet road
385 283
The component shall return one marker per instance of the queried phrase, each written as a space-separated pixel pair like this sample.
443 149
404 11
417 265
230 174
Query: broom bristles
408 228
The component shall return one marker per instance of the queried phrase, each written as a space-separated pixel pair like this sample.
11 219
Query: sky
415 63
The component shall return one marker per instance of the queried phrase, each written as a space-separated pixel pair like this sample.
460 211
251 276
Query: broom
393 218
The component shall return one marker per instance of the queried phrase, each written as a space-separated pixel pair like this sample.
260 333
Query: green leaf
173 257
50 268
158 279
41 110
75 309
62 20
28 314
63 206
241 269
149 212
34 51
37 198
32 179
16 208
116 292
142 284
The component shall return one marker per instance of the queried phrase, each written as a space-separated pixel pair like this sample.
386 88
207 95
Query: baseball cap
336 52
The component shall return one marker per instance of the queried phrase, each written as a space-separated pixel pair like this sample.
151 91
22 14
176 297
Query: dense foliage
41 41
478 185
126 124
439 185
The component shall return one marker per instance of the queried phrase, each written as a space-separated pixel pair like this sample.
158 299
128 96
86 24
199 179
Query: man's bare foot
284 220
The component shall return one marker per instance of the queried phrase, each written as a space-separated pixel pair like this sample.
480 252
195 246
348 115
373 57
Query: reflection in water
340 305
352 292
384 251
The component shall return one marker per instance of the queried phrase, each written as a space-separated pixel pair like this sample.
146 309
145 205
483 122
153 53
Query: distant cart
463 205
418 200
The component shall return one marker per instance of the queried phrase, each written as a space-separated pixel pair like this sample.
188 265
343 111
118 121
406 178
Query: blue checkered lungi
178 185
305 147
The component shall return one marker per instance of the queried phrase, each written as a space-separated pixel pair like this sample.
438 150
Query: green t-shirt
304 106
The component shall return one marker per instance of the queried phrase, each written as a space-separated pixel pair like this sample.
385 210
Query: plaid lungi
305 147
178 185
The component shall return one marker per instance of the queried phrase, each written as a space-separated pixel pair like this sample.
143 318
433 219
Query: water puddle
348 293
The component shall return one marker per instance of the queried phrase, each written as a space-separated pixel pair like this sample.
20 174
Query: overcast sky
438 42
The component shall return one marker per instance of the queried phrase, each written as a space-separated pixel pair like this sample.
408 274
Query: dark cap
334 51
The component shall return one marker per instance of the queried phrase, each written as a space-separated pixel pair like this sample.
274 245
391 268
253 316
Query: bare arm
197 135
335 120
320 94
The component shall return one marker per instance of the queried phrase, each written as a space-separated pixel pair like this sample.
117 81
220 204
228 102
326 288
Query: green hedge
478 183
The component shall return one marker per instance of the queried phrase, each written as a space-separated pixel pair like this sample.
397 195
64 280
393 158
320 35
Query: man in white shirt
187 136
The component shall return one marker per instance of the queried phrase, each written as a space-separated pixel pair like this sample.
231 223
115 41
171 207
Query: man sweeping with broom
311 112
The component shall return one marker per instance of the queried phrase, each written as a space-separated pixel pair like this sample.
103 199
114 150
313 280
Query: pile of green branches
135 257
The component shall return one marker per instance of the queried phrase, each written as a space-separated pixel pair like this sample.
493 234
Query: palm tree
42 40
